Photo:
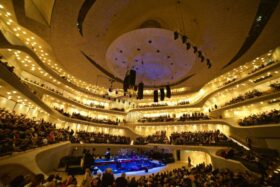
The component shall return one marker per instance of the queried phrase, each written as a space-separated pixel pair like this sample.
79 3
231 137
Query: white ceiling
218 28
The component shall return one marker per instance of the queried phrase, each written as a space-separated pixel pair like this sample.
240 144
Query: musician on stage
108 154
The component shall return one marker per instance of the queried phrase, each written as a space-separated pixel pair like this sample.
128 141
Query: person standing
121 181
108 178
189 161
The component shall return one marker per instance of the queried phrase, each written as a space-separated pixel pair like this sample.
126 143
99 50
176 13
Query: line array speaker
126 83
168 91
162 95
132 78
140 90
155 96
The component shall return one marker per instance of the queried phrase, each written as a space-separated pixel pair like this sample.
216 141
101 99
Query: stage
121 165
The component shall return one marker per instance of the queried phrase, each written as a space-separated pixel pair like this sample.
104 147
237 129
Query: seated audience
261 67
19 133
263 162
248 95
159 138
272 117
275 86
92 137
201 175
86 118
168 118
200 138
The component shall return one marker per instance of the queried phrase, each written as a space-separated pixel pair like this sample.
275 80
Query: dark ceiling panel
265 10
83 13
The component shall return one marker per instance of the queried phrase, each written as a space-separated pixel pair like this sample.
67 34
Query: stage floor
126 165
136 174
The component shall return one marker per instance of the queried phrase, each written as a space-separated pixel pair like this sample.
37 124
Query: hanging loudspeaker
155 96
162 94
168 91
140 90
126 83
132 78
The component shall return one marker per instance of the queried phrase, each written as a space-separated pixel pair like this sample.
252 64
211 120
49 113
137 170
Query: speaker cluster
130 83
185 41
162 94
129 80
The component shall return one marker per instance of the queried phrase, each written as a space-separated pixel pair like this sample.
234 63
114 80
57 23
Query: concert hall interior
127 93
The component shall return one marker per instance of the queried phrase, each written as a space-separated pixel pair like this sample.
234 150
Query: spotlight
176 35
194 49
184 39
188 45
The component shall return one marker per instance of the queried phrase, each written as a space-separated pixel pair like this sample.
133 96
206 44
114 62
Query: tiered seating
152 105
183 103
272 117
247 95
200 138
253 160
275 86
193 116
261 67
86 118
19 133
201 175
229 81
168 118
159 137
91 137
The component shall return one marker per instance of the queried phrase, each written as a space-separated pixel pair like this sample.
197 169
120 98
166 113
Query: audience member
19 133
121 181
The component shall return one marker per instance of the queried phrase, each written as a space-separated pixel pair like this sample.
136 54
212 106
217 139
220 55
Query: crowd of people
261 67
209 138
92 137
158 138
229 81
162 104
275 86
262 78
201 175
153 105
193 116
247 95
183 103
87 118
271 117
200 138
92 105
19 133
167 118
